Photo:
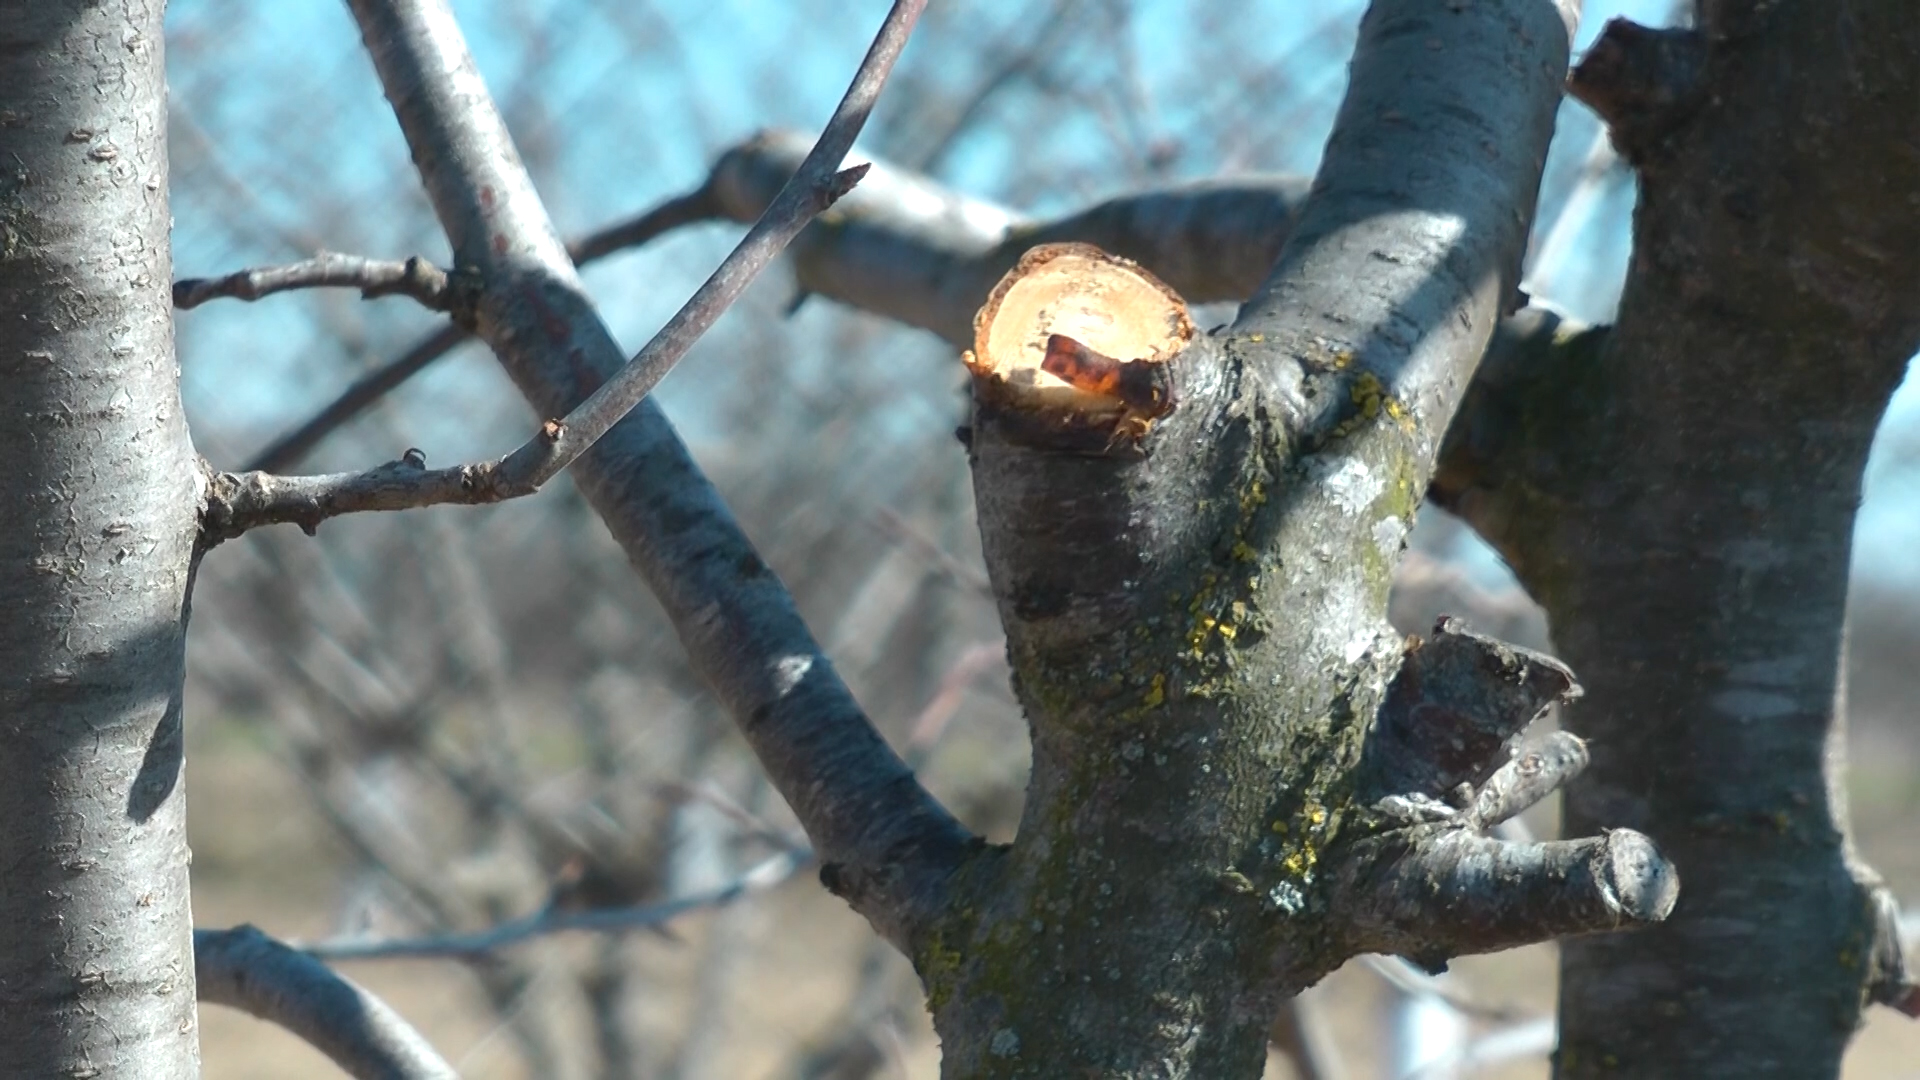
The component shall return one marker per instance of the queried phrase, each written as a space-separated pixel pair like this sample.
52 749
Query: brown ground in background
262 856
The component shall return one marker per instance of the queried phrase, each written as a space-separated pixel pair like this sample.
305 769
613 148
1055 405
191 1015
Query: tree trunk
1680 494
1191 538
99 504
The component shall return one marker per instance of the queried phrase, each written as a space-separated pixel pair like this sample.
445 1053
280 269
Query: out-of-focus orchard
443 722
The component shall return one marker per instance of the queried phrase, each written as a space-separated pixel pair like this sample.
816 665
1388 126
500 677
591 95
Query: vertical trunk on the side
97 521
1680 495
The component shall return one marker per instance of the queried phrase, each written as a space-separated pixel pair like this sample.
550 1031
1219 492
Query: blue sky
290 110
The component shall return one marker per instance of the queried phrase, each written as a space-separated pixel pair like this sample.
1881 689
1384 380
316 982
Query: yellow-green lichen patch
1156 691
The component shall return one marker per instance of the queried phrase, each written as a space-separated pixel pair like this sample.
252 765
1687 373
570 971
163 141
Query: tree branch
691 208
481 944
1435 892
1527 779
232 503
245 969
891 844
414 277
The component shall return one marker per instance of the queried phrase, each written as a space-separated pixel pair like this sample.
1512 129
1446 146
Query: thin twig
414 277
687 209
761 877
236 502
245 969
818 184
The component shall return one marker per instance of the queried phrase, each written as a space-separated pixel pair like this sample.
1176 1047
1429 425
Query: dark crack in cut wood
1073 349
1455 710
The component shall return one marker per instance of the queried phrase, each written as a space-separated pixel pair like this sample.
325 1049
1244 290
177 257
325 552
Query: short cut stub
1080 337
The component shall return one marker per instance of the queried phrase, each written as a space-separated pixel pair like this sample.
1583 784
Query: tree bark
1711 456
100 504
1192 550
1680 499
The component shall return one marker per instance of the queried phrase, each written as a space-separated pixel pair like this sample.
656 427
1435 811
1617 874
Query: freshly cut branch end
1081 338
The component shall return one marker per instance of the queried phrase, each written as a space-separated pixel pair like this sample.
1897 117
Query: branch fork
1440 765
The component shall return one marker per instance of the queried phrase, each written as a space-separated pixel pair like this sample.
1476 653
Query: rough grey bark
1197 625
1707 454
98 502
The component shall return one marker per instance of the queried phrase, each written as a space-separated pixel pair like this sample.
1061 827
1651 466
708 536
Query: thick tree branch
245 969
414 277
1435 892
892 846
1682 504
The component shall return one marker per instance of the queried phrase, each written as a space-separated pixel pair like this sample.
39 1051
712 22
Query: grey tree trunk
1680 495
99 505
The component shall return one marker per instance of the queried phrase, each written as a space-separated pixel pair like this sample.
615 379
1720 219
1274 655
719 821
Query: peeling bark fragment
1455 707
1643 82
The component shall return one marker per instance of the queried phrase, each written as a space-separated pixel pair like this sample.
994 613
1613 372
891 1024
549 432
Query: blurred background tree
407 727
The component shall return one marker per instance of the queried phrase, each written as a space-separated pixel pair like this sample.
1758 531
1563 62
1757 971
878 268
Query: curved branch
889 844
245 969
908 248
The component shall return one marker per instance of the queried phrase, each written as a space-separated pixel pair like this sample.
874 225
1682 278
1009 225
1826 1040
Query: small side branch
235 502
1527 779
1436 892
245 969
414 277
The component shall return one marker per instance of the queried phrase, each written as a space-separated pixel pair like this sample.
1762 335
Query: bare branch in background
245 969
480 945
414 277
1403 975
